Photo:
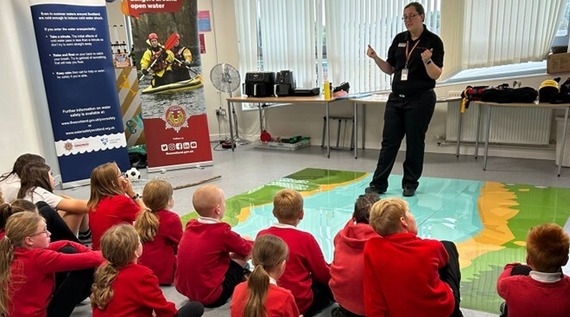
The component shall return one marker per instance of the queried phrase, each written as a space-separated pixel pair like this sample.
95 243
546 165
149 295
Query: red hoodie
347 266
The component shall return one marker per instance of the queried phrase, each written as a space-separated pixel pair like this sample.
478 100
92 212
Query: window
322 39
490 34
319 39
562 39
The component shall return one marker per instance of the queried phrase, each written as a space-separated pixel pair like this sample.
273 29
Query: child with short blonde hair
160 230
543 289
260 296
211 257
124 288
307 273
395 263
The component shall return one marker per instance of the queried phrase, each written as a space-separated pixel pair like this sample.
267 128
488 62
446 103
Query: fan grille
225 77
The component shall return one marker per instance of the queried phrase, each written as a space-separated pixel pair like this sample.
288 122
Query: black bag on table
504 94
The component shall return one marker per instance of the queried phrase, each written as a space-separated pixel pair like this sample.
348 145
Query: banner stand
79 80
165 168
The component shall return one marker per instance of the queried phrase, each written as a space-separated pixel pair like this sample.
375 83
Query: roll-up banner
75 54
165 41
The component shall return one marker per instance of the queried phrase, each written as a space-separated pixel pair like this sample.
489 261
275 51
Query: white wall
24 121
25 124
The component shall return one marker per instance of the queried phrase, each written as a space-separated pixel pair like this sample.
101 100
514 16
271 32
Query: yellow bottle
327 89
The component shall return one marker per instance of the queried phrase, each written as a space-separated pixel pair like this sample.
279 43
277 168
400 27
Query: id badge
404 74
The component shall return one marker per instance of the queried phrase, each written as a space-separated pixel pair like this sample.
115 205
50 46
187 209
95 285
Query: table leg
563 141
459 124
363 126
231 125
328 130
261 125
354 129
487 138
478 128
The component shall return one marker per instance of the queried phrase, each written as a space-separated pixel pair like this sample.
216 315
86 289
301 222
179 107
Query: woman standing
415 60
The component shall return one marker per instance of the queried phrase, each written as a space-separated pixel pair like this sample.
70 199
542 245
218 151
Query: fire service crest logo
175 117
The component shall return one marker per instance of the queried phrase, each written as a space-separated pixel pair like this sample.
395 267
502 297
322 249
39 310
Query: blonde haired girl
124 288
28 262
260 296
160 231
112 200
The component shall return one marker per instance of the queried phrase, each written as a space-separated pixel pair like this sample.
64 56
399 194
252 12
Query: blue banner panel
77 65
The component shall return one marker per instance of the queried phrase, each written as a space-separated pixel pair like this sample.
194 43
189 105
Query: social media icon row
165 147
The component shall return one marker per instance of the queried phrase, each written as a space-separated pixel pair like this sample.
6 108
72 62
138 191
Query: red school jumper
33 279
401 277
136 294
278 303
204 257
347 266
528 297
159 255
111 210
306 262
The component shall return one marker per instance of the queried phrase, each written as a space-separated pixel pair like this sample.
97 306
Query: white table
289 100
382 98
492 105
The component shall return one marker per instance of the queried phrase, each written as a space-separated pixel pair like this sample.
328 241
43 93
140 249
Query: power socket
221 112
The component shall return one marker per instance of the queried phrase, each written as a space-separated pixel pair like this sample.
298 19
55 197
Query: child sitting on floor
112 200
544 291
28 262
405 275
211 257
348 262
307 274
123 288
260 295
160 231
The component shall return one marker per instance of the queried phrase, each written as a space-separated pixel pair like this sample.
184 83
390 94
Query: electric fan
225 78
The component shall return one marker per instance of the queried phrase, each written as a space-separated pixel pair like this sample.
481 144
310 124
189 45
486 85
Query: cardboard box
558 63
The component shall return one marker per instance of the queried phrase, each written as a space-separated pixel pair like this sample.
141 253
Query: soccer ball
133 174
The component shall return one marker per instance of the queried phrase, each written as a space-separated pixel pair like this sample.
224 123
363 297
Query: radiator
508 125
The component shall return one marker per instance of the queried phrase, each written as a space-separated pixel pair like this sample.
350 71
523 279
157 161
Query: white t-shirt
10 187
41 194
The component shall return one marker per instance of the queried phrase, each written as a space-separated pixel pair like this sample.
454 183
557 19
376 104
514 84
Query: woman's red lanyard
404 74
408 54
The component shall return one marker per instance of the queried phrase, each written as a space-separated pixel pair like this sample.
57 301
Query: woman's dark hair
34 175
22 161
362 207
418 6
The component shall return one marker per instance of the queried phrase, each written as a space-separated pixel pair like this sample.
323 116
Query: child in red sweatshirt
405 275
307 274
123 288
211 257
260 295
348 263
544 290
160 231
29 261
